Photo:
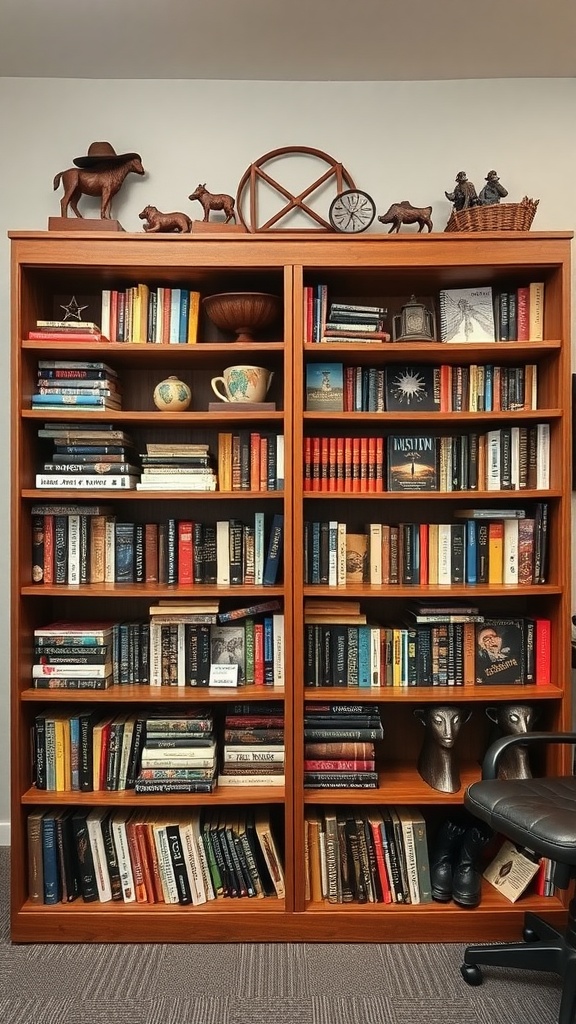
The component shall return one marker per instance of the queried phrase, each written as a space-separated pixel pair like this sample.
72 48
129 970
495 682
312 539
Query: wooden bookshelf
354 268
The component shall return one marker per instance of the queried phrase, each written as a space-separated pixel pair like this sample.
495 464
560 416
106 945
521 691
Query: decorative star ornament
73 310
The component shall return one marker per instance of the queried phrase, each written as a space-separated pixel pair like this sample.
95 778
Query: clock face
414 321
352 211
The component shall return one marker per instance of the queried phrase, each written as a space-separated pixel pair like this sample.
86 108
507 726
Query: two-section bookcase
372 270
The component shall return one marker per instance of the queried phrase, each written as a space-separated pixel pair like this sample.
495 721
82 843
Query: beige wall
399 140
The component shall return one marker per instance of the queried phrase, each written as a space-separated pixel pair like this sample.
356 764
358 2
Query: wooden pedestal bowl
243 313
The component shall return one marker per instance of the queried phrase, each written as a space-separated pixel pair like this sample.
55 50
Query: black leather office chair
539 814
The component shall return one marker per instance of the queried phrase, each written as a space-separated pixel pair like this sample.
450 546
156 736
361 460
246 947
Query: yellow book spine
433 554
536 311
193 317
59 754
225 462
496 553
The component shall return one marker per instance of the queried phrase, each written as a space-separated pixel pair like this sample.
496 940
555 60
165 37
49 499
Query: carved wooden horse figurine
437 761
214 201
103 180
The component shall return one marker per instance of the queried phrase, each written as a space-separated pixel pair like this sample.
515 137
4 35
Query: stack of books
79 383
73 656
253 752
180 642
177 467
89 455
339 745
356 322
179 755
67 330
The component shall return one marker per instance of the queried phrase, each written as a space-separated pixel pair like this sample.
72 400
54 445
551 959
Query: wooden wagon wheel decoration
256 173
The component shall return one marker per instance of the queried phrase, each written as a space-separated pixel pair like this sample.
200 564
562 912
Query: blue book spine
50 859
488 388
94 400
274 553
315 567
184 314
363 656
471 551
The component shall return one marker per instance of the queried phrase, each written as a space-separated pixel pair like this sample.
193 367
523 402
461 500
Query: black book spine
61 549
198 549
458 552
124 553
135 756
40 752
178 864
506 459
139 552
324 552
84 859
236 548
111 859
37 548
482 552
85 767
67 861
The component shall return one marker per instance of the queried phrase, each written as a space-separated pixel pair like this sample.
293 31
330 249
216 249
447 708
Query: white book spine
280 462
125 753
543 456
341 575
155 653
120 838
258 548
101 483
192 864
74 550
167 877
375 553
181 654
265 756
375 649
332 553
493 456
250 780
159 315
444 553
223 552
510 551
109 550
278 652
105 315
206 877
411 866
99 856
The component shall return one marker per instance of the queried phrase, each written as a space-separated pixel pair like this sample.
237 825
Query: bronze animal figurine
405 213
100 173
214 201
437 762
513 720
158 221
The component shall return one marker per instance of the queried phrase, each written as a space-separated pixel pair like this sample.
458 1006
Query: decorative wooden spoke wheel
257 173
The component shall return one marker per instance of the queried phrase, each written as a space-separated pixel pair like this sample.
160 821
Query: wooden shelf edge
156 694
129 798
432 694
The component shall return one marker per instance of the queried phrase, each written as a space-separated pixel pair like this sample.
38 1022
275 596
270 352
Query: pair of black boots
454 862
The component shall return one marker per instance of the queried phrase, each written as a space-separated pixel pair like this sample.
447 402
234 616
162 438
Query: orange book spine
340 465
379 465
225 462
254 462
364 466
347 465
236 480
151 552
356 466
137 871
263 469
307 463
147 874
495 553
469 645
152 856
372 460
316 469
543 652
445 388
332 464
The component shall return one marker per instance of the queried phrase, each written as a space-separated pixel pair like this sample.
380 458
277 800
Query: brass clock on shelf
352 211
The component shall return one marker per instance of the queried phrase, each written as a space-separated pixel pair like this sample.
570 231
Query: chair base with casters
539 814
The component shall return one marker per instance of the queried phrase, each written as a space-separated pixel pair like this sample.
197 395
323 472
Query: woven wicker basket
499 217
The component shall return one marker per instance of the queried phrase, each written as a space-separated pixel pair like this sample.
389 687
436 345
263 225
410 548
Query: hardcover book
325 387
412 463
412 388
500 652
467 315
227 647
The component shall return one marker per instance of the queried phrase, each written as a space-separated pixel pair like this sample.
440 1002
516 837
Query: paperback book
412 463
325 387
467 315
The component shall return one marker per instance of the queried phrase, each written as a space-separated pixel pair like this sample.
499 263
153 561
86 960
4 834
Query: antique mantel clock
414 322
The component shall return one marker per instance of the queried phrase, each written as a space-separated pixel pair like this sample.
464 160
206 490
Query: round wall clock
352 211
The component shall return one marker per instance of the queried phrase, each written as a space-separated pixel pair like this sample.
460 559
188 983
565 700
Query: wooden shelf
126 694
128 798
150 591
433 418
431 694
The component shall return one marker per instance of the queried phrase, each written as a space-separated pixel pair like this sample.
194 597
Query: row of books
175 649
75 544
334 387
331 724
510 550
253 752
367 855
509 651
466 315
504 459
160 315
186 856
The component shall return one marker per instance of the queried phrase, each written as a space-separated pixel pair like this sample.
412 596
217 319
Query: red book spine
356 466
340 465
445 388
543 652
185 554
258 654
332 464
339 766
264 464
90 336
324 463
347 465
114 315
379 464
316 481
372 461
364 468
381 862
307 463
48 549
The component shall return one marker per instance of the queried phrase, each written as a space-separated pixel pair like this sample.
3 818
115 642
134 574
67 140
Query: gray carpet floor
257 984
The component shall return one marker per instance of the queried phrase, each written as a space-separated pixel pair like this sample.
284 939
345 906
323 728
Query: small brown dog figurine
100 173
214 201
165 221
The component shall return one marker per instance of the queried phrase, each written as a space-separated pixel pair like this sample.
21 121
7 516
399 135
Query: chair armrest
490 761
